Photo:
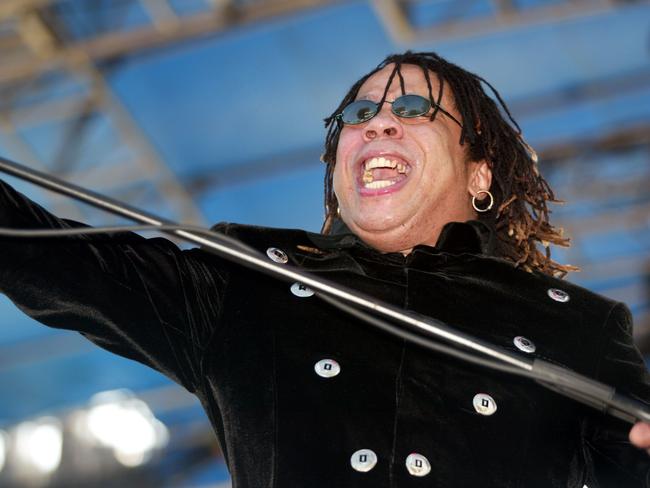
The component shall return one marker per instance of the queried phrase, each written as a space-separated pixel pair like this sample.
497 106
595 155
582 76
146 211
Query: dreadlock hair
520 216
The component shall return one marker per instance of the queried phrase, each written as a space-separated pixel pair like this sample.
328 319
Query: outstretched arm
144 299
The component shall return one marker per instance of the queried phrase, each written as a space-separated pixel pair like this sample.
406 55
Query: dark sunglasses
406 106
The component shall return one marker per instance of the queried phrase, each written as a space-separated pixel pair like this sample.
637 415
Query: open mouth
382 172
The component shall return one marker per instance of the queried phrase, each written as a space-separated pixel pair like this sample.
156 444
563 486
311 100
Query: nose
384 124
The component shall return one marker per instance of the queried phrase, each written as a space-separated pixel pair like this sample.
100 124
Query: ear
480 178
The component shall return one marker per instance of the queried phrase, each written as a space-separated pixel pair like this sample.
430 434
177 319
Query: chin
386 237
373 225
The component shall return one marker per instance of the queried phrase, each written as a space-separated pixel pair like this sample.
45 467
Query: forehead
413 76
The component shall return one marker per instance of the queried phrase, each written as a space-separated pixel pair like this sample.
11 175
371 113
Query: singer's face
398 181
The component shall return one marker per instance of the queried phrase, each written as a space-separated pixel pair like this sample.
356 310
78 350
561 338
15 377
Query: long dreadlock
520 215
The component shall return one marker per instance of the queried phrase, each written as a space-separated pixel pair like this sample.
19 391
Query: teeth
380 162
379 184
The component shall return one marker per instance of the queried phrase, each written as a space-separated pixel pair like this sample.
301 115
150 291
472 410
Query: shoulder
262 238
567 314
569 324
308 250
539 287
579 295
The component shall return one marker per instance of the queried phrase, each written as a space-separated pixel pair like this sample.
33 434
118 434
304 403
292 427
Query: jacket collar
473 237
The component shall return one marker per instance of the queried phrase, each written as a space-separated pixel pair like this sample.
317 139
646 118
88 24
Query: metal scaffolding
398 18
52 75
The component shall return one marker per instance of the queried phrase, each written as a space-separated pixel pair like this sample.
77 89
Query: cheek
339 184
336 178
348 142
345 152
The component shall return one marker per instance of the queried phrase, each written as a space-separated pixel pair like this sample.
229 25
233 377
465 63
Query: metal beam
393 15
98 97
637 80
504 18
253 170
24 152
10 8
630 218
621 267
161 13
117 44
56 110
509 20
504 7
620 140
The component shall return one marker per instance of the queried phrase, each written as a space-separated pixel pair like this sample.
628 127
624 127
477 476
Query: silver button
277 255
484 404
417 464
363 460
327 368
524 344
301 290
558 295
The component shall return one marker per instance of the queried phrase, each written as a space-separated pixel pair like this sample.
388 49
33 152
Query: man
429 194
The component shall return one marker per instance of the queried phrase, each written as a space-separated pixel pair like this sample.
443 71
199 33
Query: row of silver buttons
302 291
279 256
365 459
522 343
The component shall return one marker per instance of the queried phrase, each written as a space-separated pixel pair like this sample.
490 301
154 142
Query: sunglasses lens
411 106
358 112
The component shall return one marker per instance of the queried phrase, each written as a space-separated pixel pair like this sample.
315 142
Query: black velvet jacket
251 349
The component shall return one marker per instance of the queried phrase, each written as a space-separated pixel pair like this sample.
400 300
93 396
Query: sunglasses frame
339 116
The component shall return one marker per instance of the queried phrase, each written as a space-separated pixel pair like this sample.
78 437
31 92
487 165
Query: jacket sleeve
617 463
144 299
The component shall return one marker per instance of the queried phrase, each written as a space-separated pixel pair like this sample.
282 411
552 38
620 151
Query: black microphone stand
419 328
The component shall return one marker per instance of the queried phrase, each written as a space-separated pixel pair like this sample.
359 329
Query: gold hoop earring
338 211
482 210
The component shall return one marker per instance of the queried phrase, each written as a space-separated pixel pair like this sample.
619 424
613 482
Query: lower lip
373 192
